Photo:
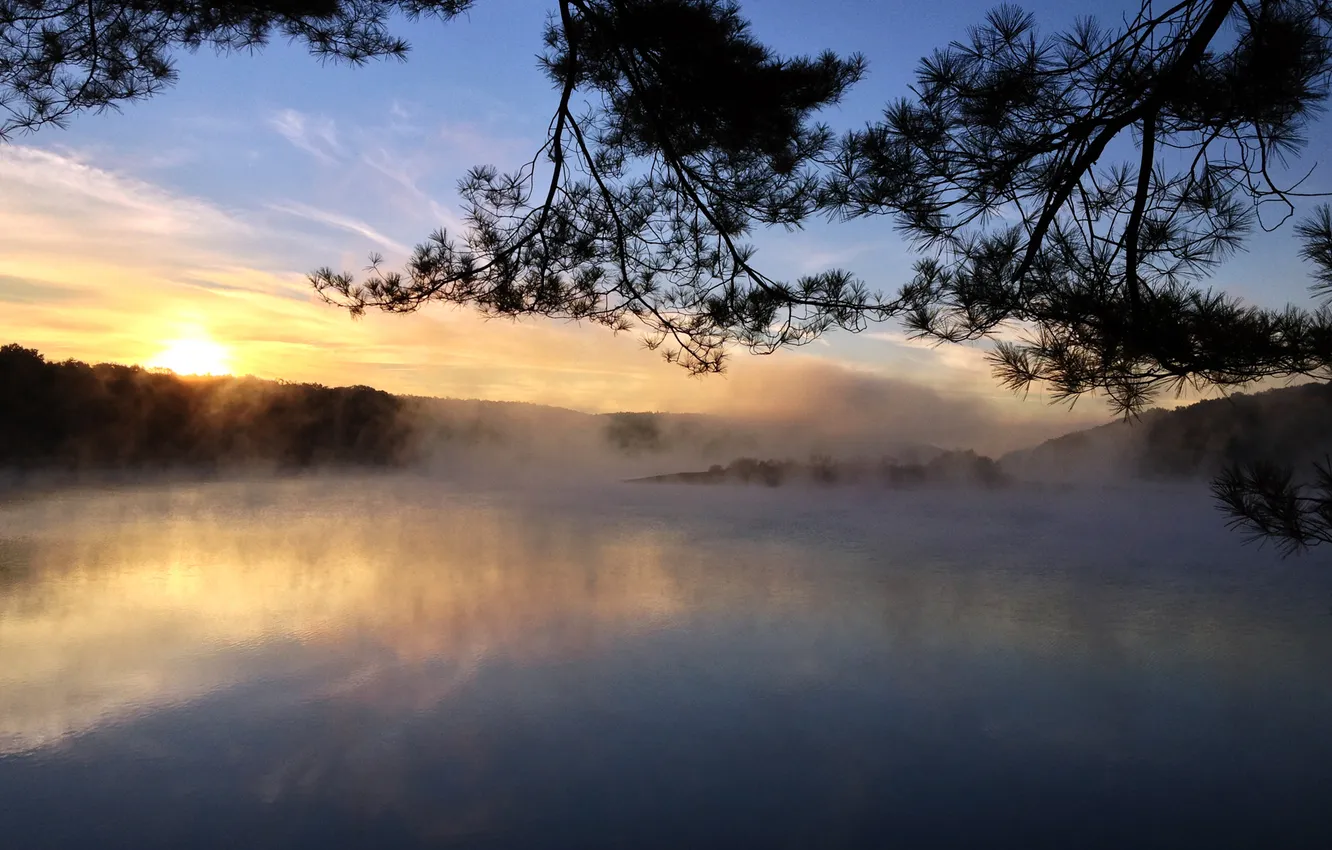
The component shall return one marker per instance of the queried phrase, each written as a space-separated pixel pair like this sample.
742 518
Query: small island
950 467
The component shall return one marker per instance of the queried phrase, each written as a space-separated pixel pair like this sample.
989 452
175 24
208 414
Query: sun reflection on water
118 604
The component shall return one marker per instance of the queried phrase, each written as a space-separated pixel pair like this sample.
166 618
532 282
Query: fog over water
394 661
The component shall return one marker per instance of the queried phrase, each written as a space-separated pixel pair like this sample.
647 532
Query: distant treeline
657 433
964 467
70 415
1289 426
75 416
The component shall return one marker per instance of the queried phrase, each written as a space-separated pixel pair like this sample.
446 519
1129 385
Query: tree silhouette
691 134
998 168
78 417
1266 503
1086 272
61 57
675 134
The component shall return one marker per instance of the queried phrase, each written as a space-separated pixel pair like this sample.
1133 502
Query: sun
193 357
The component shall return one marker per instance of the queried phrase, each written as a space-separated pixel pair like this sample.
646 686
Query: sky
180 229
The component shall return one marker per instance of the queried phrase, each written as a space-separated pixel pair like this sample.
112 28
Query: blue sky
197 213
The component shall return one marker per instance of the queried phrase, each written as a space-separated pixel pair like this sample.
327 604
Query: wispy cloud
963 363
341 222
17 290
395 166
103 266
39 182
848 405
406 176
474 144
316 135
106 266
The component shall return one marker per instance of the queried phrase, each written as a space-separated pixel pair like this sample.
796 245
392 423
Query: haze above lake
396 662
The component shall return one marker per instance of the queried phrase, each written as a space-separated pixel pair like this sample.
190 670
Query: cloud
39 184
474 144
407 176
841 408
966 362
316 135
396 169
17 290
351 225
105 266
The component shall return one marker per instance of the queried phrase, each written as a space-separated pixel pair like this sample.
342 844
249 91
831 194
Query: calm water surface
383 663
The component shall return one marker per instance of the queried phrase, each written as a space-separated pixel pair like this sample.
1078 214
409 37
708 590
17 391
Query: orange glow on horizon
198 356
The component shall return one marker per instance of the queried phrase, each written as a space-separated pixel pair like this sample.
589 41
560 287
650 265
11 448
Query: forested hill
1290 425
72 415
75 416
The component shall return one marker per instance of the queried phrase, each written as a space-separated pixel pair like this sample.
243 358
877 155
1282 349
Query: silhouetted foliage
1084 271
61 57
675 134
1267 503
1275 483
1286 427
656 433
634 432
997 166
74 416
1290 426
1252 445
963 467
1001 167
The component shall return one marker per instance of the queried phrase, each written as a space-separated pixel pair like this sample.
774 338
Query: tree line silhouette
950 467
72 415
1283 427
75 416
1287 426
1067 193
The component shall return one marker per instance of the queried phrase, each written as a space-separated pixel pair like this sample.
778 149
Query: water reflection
367 661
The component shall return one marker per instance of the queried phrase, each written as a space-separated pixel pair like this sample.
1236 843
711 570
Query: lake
384 662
